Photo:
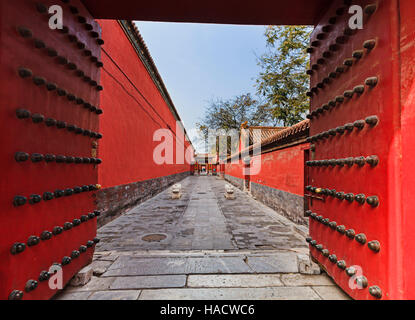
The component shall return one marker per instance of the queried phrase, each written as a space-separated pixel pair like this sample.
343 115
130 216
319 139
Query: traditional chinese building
80 105
205 164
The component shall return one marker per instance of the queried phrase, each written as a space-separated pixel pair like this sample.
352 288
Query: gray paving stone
131 266
96 283
99 266
217 265
331 293
145 282
279 263
277 293
211 222
72 295
234 280
82 277
115 295
297 279
228 250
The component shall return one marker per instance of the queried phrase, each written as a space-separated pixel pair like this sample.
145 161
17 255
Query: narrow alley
213 150
201 246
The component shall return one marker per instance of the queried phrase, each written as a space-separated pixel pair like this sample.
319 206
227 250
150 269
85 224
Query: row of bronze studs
373 161
359 90
39 44
19 247
73 38
350 233
82 20
333 20
359 198
357 55
348 127
47 196
32 284
369 45
45 275
21 156
51 122
39 81
368 10
42 8
361 280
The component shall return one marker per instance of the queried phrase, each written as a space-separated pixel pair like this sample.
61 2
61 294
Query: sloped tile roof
278 136
287 132
264 134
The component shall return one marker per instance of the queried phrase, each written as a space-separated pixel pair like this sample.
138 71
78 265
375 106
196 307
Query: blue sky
200 62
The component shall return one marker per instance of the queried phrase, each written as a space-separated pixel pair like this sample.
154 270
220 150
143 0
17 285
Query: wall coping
136 39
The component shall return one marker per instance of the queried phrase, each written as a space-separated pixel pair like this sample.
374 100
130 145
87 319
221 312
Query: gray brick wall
113 201
288 204
235 181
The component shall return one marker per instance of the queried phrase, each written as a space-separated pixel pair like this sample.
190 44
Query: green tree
228 114
283 80
231 113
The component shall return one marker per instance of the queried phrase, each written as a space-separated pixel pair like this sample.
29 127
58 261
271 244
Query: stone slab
217 265
234 280
306 266
331 293
131 266
112 257
115 295
99 267
196 224
263 251
297 279
72 295
112 205
146 282
277 293
279 263
82 277
96 284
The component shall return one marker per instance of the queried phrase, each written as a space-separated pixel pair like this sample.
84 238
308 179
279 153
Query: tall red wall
234 169
281 169
408 132
129 121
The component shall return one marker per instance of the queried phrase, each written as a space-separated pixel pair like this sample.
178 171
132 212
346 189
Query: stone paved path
214 248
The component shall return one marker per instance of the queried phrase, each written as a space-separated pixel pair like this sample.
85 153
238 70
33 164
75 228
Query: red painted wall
234 169
27 178
129 121
408 151
383 223
281 169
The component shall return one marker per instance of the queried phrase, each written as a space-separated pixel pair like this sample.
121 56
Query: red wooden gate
49 137
360 227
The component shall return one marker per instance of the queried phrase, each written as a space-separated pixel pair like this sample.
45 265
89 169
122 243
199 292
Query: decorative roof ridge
289 131
301 126
265 127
